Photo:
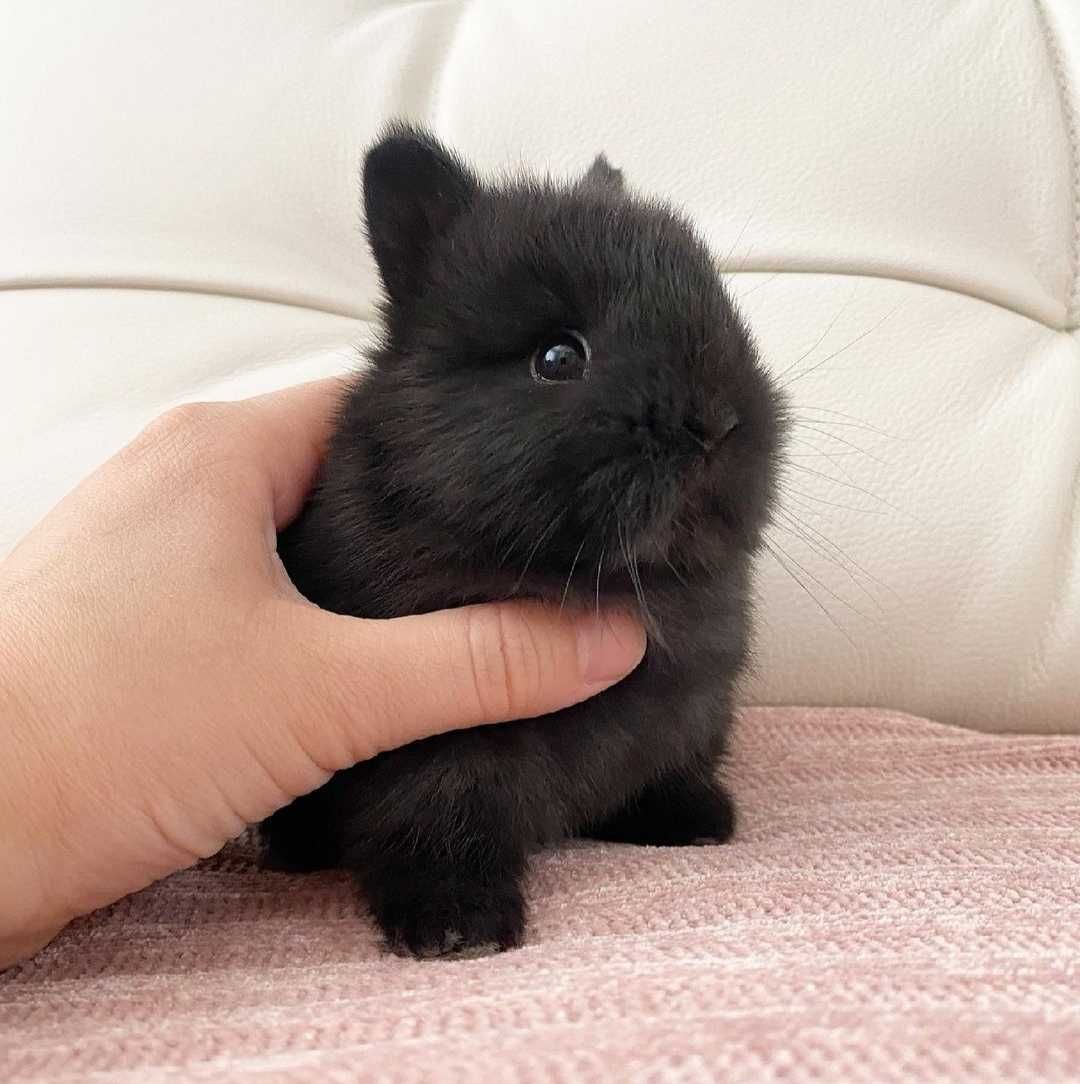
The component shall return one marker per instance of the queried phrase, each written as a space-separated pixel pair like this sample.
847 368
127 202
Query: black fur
455 477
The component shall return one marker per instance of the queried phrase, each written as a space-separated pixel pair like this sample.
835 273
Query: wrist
20 944
30 916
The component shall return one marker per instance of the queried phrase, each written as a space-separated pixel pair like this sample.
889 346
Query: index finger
288 433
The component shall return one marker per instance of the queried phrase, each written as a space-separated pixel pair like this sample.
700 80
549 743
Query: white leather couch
893 187
895 183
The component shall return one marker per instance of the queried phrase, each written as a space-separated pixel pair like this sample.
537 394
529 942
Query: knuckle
175 436
187 423
504 662
190 441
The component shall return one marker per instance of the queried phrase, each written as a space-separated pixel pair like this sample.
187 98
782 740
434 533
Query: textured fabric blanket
902 903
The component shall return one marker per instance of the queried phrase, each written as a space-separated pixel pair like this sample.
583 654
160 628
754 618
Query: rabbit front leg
458 896
434 835
428 906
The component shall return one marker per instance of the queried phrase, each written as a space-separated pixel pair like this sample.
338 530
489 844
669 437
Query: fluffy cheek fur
540 492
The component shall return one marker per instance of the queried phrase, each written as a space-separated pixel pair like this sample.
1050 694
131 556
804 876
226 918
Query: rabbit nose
707 436
727 420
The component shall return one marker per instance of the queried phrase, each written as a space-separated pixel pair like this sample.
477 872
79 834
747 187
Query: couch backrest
893 187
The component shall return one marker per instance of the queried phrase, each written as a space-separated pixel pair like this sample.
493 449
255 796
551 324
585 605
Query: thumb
386 683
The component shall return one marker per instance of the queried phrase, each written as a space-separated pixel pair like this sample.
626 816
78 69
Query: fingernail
609 647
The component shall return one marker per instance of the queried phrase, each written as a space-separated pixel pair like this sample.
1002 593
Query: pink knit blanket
902 903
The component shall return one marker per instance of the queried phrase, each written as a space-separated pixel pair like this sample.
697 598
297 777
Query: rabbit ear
602 174
414 188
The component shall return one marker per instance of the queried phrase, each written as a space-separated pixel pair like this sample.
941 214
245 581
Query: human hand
163 685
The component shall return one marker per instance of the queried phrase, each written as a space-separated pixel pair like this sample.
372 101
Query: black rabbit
565 405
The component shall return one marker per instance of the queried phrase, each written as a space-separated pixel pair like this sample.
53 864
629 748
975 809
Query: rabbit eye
560 359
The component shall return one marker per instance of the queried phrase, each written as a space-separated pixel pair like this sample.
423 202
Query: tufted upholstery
893 187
